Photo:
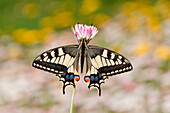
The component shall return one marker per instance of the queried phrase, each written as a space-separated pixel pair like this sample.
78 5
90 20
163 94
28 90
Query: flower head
86 32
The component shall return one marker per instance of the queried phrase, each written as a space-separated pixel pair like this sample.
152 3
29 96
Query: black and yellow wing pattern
62 62
102 63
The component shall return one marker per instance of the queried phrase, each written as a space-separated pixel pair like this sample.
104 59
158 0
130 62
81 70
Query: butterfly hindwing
60 61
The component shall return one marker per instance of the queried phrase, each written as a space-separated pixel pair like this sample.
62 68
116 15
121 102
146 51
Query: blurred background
138 29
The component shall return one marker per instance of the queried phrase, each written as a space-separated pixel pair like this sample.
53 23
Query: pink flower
86 32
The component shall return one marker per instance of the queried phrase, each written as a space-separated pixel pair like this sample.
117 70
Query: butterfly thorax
82 54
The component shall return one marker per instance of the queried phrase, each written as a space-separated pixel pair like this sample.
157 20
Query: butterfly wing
60 61
102 63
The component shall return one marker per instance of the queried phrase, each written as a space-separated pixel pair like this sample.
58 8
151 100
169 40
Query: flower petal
77 29
73 30
93 34
85 31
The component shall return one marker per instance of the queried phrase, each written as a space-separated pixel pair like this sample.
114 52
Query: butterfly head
84 32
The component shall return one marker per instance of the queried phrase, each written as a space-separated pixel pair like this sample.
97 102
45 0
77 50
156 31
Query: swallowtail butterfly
95 62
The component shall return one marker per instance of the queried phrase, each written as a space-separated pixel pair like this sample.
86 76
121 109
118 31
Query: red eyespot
76 78
87 79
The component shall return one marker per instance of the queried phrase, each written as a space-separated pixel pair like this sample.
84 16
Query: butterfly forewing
56 60
108 62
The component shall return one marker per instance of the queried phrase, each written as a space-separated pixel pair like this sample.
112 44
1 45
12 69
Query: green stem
72 101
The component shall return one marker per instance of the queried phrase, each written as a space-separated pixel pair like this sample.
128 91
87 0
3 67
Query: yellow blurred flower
163 52
89 6
152 19
101 18
30 10
47 22
153 23
61 20
26 36
150 15
142 48
163 7
129 7
134 21
163 10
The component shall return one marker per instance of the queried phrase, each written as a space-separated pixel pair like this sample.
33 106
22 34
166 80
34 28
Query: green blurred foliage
27 13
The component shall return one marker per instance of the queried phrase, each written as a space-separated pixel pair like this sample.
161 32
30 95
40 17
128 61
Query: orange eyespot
76 78
87 79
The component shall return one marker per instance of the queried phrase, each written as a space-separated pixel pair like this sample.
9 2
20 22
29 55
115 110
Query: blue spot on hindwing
100 76
96 79
64 74
67 77
92 78
71 77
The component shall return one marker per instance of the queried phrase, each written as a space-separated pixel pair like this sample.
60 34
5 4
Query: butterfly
96 63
